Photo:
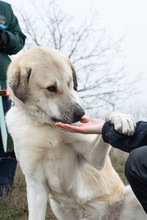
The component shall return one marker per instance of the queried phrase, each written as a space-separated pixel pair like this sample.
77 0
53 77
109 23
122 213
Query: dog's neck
35 116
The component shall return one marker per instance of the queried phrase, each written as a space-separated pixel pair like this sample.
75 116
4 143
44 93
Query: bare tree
95 55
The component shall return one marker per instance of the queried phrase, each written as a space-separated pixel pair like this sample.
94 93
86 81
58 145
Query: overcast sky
127 18
120 17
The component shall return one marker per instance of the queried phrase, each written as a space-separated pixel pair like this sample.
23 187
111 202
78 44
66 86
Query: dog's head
42 82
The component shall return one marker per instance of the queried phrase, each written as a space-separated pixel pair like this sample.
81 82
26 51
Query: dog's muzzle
78 114
70 116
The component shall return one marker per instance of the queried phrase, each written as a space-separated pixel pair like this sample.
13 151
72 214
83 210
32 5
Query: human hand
87 126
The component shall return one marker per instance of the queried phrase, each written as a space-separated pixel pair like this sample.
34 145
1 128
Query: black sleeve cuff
106 131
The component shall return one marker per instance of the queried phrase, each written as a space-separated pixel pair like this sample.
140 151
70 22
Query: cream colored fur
71 171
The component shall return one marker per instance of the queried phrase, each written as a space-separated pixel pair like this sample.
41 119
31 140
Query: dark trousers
136 173
8 161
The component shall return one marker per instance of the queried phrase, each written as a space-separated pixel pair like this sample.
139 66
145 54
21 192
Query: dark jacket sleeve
16 37
124 142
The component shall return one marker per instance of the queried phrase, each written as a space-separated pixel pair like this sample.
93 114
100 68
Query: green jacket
9 23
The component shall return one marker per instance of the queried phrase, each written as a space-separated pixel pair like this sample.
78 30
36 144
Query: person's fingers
71 128
84 120
59 124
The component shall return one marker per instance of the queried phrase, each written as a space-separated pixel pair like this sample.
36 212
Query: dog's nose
78 114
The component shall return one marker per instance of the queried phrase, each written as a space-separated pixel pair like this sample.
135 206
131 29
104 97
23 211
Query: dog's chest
58 164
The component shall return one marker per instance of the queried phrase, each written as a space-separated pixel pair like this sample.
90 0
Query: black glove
4 38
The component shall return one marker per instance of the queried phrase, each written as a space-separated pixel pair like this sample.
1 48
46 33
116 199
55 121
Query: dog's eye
52 89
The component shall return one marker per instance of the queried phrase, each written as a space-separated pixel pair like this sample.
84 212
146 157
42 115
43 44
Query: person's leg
8 162
136 174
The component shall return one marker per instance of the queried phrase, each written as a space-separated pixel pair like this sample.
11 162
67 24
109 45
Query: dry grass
15 207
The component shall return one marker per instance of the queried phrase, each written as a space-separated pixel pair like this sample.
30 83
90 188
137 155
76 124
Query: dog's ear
19 83
74 77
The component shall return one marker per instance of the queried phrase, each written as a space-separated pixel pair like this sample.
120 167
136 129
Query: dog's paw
123 123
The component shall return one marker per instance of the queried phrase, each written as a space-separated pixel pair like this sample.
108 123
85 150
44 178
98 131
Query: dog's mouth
69 118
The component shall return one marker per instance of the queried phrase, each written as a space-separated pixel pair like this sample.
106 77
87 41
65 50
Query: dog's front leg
37 196
99 153
93 149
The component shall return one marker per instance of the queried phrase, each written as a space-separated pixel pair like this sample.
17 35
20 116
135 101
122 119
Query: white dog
71 171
